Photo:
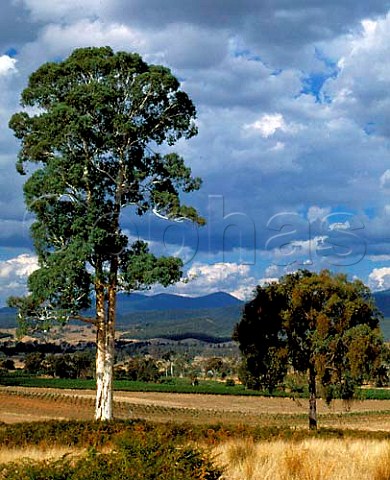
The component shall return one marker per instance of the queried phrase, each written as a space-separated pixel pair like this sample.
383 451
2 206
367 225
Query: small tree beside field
321 325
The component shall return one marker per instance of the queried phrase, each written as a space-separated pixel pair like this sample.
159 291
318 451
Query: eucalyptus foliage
316 323
90 133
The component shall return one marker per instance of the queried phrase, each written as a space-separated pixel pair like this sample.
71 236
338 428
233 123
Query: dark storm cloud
276 30
15 26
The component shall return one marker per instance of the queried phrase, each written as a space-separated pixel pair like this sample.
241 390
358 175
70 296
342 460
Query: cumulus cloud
203 279
385 179
194 39
360 91
60 39
14 273
7 65
316 213
268 124
19 267
278 31
379 278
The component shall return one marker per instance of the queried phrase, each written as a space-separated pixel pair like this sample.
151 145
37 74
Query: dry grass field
346 458
311 459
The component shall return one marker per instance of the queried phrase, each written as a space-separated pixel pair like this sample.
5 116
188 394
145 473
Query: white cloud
379 278
203 279
298 251
272 271
58 40
268 280
369 27
19 267
14 273
247 292
268 124
379 258
339 226
7 65
217 273
278 147
385 179
318 213
360 90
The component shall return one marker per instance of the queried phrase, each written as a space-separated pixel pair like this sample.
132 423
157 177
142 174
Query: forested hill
147 316
382 300
137 302
173 316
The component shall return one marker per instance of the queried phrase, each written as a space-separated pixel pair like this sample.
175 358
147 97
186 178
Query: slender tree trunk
103 408
312 399
105 343
105 357
106 351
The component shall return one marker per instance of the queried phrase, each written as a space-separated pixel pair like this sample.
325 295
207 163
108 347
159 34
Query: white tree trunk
105 352
104 377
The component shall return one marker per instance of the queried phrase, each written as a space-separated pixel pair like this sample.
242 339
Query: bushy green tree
33 362
69 365
320 324
7 364
142 369
91 127
262 341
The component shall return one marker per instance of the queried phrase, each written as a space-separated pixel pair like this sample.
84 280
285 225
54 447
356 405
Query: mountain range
137 302
141 316
211 317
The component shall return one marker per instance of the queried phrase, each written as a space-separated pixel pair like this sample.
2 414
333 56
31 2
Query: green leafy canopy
90 127
318 321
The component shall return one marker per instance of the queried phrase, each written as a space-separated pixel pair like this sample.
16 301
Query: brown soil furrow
25 404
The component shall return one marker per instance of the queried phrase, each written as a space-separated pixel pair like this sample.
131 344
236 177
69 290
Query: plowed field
19 404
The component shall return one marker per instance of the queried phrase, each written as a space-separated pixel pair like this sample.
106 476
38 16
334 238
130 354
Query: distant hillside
173 316
213 322
169 316
137 302
164 314
7 317
382 300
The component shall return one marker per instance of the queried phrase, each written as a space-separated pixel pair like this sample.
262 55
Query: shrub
136 457
7 364
142 369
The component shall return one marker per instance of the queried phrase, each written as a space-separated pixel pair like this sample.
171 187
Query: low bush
136 454
90 434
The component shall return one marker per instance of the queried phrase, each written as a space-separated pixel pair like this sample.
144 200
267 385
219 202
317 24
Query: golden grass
10 455
311 459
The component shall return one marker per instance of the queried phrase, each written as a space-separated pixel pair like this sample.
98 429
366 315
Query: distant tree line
66 365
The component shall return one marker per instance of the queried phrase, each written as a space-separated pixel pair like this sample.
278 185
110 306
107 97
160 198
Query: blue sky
293 105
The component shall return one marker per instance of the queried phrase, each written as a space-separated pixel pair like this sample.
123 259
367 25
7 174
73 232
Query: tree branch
81 318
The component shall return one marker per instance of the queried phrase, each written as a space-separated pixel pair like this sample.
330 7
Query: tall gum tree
322 325
91 125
